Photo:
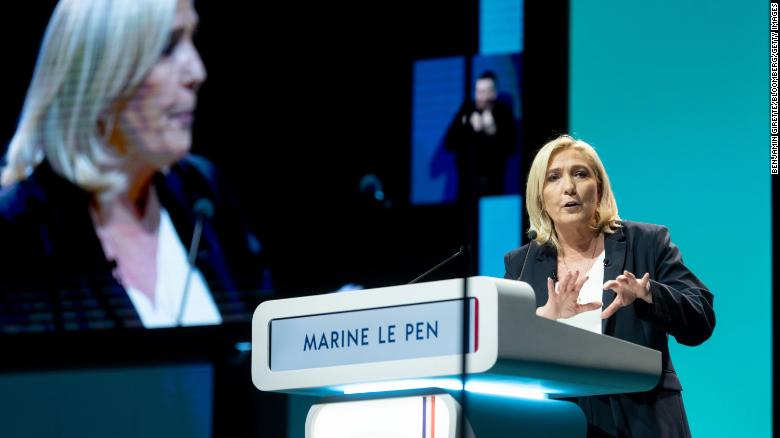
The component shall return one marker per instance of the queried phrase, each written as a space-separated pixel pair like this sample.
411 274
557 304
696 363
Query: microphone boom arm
462 249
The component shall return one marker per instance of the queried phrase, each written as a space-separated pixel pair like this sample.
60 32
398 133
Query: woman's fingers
580 283
611 284
589 306
609 311
625 288
616 287
563 285
550 287
571 283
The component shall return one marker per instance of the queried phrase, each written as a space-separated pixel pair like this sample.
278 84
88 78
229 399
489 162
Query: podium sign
372 335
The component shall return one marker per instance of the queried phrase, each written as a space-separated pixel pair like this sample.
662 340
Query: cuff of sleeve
655 311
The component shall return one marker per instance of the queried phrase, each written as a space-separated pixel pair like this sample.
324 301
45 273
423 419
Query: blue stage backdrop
674 95
437 93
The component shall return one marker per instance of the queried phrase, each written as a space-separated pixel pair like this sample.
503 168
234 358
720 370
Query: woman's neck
576 240
137 202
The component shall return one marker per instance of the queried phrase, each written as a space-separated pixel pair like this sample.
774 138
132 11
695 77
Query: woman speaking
100 192
592 270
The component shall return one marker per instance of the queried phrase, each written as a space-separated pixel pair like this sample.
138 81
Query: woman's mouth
183 117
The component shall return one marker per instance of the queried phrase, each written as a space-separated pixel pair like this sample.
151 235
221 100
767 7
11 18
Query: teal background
499 232
500 26
173 401
674 95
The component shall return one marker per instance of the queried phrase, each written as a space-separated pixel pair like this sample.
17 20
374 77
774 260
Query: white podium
346 345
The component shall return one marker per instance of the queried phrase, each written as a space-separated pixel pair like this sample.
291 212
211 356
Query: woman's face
155 124
570 189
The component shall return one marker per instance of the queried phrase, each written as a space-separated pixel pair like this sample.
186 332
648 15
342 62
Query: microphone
204 210
371 186
531 236
463 248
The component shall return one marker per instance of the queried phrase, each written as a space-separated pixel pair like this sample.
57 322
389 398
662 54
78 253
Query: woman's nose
193 70
569 187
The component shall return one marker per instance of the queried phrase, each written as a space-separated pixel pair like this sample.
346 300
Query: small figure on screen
592 270
482 135
100 193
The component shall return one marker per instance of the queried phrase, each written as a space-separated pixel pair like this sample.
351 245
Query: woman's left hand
628 289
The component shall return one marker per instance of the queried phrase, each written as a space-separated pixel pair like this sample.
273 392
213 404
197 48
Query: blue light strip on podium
477 386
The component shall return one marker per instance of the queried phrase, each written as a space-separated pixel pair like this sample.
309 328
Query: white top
172 266
591 291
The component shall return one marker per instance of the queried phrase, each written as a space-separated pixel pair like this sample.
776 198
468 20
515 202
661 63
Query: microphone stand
204 209
191 265
462 249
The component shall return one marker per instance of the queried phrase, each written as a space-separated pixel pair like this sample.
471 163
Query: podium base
437 415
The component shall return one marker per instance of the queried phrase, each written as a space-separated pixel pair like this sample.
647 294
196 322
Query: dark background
324 100
302 101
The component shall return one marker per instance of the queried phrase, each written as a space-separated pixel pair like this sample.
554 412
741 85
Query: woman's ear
108 122
109 117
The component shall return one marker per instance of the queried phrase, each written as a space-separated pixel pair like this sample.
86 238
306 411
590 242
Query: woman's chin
174 151
573 220
162 160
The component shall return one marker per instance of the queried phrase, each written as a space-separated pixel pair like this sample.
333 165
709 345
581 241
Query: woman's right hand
563 301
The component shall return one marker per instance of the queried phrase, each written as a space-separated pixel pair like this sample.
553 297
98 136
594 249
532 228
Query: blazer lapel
615 260
545 262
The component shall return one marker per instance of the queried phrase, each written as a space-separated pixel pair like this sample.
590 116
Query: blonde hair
94 53
606 217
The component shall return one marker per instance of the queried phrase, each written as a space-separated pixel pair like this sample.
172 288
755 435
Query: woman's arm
681 304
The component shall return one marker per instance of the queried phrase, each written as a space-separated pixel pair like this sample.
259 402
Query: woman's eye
552 177
168 50
173 41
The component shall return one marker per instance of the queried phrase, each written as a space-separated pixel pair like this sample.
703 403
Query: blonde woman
625 279
99 191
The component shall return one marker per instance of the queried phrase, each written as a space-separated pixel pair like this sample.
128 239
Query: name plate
373 335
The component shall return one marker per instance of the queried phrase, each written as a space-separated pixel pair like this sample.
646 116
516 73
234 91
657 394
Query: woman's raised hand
563 301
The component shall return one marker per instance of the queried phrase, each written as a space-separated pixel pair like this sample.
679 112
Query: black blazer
682 307
50 247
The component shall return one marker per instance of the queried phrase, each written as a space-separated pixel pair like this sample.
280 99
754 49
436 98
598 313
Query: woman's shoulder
513 260
517 255
21 200
195 167
634 229
193 176
29 211
644 234
517 252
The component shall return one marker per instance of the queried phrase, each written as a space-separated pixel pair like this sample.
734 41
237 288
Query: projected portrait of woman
100 194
